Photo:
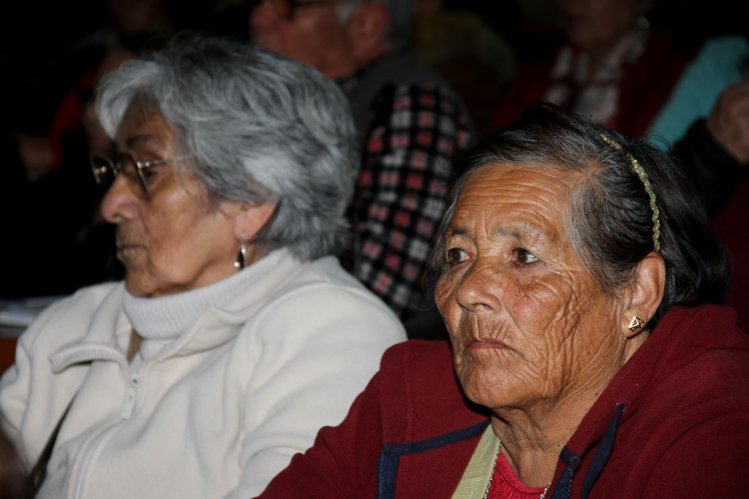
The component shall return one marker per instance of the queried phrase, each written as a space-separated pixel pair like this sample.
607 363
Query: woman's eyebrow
527 232
140 140
515 231
454 231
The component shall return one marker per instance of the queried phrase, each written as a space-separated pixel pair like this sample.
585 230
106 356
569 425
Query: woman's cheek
443 293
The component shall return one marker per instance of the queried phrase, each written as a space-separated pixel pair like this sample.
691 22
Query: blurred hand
729 120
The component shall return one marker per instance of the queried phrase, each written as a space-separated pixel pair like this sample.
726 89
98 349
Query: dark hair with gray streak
610 218
259 128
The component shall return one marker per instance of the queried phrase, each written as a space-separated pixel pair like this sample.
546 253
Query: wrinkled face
596 24
314 35
527 321
171 240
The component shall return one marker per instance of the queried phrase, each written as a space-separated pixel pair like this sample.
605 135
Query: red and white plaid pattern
402 189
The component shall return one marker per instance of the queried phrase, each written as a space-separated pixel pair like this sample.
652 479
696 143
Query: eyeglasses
287 8
138 172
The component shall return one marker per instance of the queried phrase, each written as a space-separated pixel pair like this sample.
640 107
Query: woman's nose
119 203
479 288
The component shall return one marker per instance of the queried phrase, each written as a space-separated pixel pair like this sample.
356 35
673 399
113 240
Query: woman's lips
486 343
479 333
127 240
127 251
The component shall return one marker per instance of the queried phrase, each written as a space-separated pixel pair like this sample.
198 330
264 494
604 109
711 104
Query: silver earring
241 261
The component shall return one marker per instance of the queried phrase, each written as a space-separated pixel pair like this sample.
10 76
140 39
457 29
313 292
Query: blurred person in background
617 65
47 185
409 122
705 124
468 52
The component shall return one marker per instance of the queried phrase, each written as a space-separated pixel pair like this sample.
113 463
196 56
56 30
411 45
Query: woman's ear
645 293
250 219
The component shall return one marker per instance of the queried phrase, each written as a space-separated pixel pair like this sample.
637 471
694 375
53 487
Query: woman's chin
137 285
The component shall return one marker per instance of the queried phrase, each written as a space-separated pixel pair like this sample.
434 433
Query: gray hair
610 218
401 18
259 127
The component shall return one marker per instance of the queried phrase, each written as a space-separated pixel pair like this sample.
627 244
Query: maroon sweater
674 422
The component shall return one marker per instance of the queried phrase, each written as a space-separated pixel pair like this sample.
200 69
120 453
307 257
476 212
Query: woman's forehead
508 182
143 127
513 200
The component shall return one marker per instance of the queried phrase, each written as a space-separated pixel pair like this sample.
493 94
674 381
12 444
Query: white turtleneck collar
163 319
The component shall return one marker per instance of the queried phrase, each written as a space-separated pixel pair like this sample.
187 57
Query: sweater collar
109 328
167 317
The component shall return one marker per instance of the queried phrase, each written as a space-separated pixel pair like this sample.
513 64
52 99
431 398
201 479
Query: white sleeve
29 432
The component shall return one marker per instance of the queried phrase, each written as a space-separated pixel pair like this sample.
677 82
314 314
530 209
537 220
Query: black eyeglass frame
101 166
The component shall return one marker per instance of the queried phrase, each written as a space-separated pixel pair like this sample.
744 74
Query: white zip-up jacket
216 413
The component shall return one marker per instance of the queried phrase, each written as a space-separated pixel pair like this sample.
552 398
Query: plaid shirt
402 188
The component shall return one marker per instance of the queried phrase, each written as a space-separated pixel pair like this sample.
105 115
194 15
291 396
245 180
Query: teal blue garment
720 63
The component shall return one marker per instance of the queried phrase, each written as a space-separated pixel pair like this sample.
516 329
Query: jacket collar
212 329
679 338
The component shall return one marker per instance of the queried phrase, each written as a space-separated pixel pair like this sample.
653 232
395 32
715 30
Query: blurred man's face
313 35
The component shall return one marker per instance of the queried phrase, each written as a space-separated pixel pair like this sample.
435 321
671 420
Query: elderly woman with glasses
577 282
235 335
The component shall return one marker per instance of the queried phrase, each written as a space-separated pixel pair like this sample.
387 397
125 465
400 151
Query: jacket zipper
88 449
132 395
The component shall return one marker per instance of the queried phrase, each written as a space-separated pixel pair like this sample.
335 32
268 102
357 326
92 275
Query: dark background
43 43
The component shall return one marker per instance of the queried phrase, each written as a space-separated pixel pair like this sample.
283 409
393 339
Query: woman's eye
455 256
152 171
525 257
149 171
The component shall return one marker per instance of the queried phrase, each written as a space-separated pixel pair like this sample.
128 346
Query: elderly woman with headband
578 282
235 335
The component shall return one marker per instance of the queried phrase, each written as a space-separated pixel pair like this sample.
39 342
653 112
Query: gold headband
640 171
